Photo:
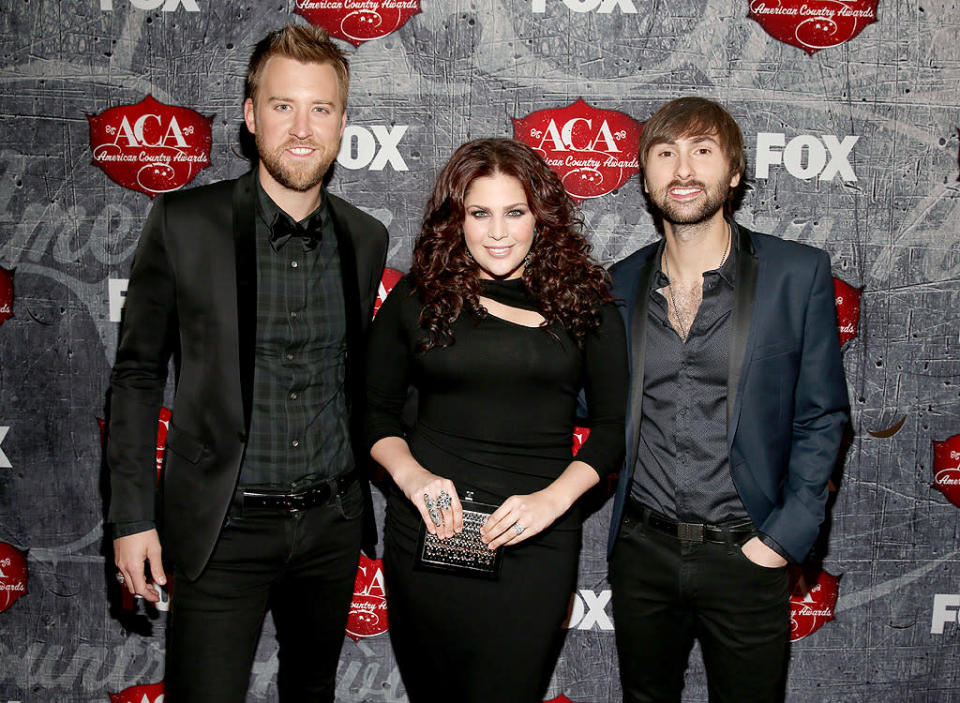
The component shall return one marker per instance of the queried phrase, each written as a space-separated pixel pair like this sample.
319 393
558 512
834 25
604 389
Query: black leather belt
721 533
296 501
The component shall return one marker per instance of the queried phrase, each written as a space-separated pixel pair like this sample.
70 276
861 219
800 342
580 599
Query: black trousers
302 567
668 592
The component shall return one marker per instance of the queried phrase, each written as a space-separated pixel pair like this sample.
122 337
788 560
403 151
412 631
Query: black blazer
786 395
192 295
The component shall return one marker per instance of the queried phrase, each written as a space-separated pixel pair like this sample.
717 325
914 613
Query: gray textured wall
463 69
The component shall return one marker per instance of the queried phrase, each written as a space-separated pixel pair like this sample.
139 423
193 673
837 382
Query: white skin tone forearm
533 512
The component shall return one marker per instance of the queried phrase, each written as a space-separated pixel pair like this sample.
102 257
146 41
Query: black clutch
463 554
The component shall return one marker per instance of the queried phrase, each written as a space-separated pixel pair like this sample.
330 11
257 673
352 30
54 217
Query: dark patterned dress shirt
299 424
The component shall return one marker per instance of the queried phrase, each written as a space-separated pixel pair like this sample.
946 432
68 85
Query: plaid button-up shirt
299 425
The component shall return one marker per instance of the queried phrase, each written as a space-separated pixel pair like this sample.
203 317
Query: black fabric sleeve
606 382
388 363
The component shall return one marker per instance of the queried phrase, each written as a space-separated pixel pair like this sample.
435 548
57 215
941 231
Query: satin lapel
745 287
638 345
351 290
244 239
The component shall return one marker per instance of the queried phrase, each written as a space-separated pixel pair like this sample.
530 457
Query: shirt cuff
125 529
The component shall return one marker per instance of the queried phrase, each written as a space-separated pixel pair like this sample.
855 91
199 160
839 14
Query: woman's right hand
436 499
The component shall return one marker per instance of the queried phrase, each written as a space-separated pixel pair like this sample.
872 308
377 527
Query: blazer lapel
745 287
638 345
244 239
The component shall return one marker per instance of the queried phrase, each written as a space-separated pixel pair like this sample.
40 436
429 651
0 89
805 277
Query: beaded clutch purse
463 554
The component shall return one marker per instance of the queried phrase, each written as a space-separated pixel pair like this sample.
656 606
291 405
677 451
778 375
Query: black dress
496 412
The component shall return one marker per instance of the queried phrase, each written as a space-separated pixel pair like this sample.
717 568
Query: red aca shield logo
848 309
593 151
13 575
150 147
387 281
6 295
148 693
813 598
562 698
812 25
357 21
368 610
580 435
946 468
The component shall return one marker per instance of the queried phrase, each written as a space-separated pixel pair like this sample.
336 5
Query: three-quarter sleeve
389 355
606 384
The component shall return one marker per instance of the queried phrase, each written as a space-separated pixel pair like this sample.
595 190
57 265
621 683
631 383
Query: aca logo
580 435
148 693
806 156
812 25
848 309
6 295
593 151
368 610
387 281
599 6
13 575
372 148
357 21
150 147
588 611
811 605
946 468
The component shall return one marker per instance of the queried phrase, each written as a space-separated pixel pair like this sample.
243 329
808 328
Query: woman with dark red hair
501 322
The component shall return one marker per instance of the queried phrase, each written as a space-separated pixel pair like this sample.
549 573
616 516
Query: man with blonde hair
260 288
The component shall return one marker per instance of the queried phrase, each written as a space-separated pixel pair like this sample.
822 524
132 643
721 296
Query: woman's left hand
520 517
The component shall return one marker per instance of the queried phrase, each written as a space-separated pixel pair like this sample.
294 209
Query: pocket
759 567
350 504
184 444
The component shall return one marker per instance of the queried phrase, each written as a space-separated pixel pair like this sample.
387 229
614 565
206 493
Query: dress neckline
511 292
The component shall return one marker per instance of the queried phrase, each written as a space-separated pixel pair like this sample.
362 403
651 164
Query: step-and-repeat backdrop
850 111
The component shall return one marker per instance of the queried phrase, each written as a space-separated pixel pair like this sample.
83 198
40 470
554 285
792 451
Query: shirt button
295 443
293 396
289 356
293 264
293 314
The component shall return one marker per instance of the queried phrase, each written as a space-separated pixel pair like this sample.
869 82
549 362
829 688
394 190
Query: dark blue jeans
668 593
301 567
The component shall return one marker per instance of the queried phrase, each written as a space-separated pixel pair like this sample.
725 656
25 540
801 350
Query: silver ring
120 579
518 528
444 500
436 516
428 500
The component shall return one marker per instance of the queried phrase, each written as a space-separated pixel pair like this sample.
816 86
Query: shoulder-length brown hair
567 285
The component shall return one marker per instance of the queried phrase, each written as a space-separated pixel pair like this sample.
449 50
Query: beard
694 213
300 178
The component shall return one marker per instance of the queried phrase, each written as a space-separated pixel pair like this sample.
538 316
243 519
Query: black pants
302 567
668 592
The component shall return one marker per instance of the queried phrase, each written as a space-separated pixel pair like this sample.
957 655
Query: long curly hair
567 285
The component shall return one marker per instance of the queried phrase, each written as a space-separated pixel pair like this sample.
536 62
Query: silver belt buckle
690 531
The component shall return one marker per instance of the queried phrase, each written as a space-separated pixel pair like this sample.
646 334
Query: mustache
686 184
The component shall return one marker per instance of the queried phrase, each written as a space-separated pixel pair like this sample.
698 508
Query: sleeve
821 412
388 364
147 339
605 388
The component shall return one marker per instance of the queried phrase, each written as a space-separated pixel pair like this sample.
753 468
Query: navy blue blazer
787 399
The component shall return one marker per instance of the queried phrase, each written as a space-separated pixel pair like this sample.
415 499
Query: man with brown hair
737 407
261 289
